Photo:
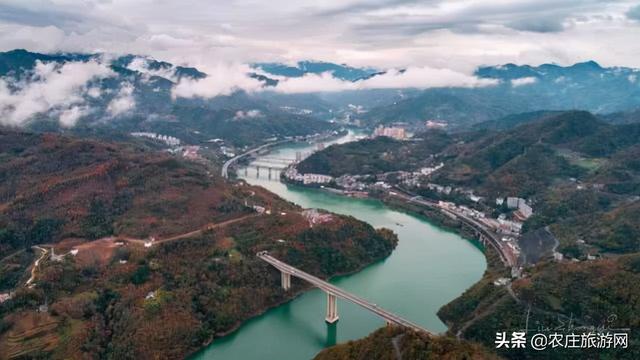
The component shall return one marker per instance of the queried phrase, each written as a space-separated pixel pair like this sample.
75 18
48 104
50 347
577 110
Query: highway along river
429 268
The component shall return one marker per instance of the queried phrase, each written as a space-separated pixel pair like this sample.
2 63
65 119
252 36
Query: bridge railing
336 291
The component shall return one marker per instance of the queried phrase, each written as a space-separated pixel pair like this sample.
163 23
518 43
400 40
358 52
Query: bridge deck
327 287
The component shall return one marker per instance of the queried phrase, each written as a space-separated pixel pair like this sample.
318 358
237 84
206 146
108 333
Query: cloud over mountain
51 87
221 79
414 77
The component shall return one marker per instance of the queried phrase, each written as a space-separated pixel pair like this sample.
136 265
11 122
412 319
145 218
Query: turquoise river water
429 268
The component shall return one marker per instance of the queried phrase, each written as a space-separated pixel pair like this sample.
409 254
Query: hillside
394 343
378 155
528 158
578 171
109 294
564 297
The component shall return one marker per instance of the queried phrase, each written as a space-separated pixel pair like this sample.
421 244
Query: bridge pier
246 171
332 309
285 279
258 172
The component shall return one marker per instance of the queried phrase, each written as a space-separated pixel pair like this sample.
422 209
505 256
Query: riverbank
298 289
455 313
397 283
311 139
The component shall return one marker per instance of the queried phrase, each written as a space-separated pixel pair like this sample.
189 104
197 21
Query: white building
397 133
525 210
513 202
316 179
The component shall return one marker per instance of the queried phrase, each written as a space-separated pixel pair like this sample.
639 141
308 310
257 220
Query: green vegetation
391 343
379 155
115 300
591 294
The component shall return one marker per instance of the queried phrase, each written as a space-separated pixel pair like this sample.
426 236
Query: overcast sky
458 34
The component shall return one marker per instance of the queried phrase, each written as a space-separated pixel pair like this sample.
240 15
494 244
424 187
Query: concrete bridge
333 293
272 171
276 160
230 162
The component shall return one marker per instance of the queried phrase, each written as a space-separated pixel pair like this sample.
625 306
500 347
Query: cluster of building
292 174
523 210
397 133
169 140
315 217
430 169
441 189
500 225
435 124
352 182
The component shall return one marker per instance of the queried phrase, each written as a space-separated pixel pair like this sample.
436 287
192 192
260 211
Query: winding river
429 268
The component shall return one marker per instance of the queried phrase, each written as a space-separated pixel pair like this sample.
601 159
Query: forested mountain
340 71
577 170
521 89
143 254
133 93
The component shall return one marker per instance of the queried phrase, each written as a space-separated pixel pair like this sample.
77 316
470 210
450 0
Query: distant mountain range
583 86
148 83
340 71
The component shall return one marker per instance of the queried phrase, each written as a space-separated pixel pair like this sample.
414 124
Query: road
35 265
228 163
506 255
329 288
187 234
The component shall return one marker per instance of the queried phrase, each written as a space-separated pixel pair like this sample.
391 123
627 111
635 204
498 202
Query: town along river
429 268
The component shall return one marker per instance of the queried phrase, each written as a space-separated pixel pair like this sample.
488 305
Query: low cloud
69 117
415 77
221 80
51 87
523 81
123 102
249 114
634 13
141 65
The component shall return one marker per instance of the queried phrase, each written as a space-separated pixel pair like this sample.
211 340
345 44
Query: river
429 268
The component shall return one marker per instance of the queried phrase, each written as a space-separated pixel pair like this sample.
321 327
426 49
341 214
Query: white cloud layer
523 81
52 87
141 65
221 80
249 114
69 117
414 77
123 103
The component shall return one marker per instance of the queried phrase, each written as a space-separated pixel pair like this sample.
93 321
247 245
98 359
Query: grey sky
459 34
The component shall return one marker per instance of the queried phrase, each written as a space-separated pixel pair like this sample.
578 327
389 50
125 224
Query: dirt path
514 296
395 341
11 255
479 316
189 234
35 265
